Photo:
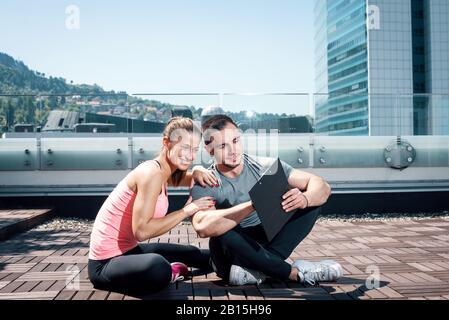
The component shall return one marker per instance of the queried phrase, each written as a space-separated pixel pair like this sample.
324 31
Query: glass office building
381 67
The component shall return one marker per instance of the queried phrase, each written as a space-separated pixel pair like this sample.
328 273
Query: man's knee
227 237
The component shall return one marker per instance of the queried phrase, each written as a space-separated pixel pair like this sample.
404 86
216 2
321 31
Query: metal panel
84 154
295 150
350 152
145 148
431 151
18 154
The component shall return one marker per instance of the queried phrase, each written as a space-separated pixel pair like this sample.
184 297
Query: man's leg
295 231
243 247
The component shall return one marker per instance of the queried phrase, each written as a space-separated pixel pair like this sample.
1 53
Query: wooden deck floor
411 256
13 221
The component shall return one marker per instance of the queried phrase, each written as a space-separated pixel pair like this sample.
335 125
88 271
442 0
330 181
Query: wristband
307 200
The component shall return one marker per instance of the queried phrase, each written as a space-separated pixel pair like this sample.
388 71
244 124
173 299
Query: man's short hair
216 122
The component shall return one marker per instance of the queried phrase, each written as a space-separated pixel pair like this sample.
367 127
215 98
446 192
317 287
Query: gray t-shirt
234 191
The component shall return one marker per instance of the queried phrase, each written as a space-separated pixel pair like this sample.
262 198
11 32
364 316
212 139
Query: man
240 251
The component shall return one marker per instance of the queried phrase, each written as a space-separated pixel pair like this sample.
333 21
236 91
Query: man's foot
178 271
239 276
313 272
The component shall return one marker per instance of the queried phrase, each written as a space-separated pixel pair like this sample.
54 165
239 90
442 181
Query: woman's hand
204 176
204 203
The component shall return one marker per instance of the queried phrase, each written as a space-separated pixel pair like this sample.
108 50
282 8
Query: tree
9 114
52 102
30 108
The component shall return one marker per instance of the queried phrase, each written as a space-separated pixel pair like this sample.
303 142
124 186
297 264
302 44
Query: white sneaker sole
233 273
233 276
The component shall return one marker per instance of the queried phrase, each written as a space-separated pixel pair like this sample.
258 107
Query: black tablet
266 196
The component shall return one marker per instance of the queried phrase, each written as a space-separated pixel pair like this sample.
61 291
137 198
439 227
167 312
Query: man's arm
314 188
214 223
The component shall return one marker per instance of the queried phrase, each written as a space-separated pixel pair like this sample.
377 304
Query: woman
136 211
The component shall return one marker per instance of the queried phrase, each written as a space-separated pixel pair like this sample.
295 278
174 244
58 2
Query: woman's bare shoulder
144 173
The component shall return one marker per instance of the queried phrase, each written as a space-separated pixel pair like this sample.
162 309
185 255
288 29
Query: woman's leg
188 254
133 273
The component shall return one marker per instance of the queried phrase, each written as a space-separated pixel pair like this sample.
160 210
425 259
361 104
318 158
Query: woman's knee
153 274
157 266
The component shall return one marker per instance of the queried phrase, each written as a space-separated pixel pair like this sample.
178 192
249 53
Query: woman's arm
199 174
149 185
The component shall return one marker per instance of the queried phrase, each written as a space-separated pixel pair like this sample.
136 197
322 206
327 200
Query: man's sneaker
178 271
313 272
239 276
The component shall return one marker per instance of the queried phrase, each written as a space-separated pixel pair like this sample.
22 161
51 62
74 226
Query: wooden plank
236 294
82 295
44 286
43 295
18 267
38 267
11 287
65 295
56 285
56 275
65 259
27 286
115 296
202 294
99 295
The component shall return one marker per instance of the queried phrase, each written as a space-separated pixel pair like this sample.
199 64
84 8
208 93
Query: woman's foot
178 271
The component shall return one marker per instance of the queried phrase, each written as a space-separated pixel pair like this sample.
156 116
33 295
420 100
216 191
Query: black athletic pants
250 248
146 268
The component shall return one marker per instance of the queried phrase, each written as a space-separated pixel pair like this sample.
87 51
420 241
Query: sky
170 46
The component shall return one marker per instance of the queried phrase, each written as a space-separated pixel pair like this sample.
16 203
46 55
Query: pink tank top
112 233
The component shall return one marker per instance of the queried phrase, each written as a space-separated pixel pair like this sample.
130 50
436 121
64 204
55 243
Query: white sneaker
313 272
239 276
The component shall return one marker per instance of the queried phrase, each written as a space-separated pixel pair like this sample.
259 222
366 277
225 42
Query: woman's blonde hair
174 125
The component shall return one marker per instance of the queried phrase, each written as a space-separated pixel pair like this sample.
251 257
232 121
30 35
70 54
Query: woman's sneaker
178 271
239 276
314 272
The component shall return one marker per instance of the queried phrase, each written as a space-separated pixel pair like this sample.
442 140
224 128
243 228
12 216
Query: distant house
119 110
181 112
95 127
24 127
123 124
61 120
300 124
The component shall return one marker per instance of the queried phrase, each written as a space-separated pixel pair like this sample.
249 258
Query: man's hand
294 199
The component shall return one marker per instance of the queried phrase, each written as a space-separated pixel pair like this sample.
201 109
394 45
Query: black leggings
250 248
144 269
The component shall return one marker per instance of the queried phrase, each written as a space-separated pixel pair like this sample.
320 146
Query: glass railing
365 114
356 114
117 132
